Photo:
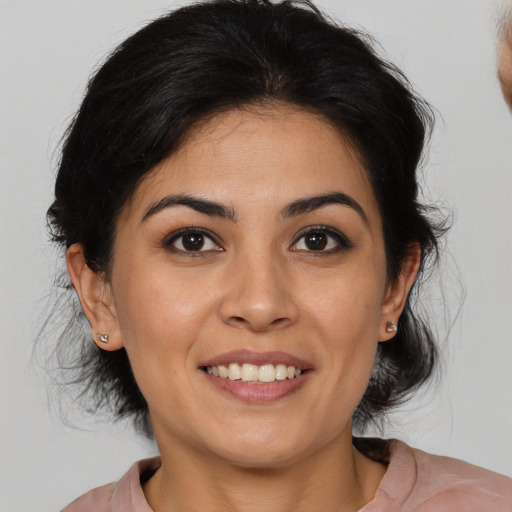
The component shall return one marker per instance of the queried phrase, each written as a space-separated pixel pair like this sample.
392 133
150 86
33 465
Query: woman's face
254 251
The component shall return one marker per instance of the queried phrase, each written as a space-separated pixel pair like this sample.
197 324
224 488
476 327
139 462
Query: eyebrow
213 209
308 204
209 208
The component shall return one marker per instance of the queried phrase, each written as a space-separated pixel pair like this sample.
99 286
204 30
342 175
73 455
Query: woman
238 199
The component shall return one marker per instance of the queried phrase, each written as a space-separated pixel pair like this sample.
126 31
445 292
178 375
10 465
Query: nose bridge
259 295
260 283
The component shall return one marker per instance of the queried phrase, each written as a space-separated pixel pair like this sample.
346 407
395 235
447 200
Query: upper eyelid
325 229
171 237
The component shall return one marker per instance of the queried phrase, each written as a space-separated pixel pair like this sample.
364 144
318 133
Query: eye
191 241
322 239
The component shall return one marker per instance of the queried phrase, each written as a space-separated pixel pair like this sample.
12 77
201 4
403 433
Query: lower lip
254 393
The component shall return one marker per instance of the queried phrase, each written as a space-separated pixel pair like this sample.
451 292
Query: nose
259 297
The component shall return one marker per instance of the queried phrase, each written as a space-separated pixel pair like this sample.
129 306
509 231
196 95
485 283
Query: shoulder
123 496
96 499
416 481
447 484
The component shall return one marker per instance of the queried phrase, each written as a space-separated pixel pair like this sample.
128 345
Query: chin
262 447
264 458
266 447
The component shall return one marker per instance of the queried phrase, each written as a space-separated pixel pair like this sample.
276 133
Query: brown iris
193 241
316 241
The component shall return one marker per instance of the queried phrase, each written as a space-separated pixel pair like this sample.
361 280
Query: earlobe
96 299
397 293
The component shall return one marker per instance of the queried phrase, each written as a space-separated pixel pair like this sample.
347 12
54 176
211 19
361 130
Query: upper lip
257 358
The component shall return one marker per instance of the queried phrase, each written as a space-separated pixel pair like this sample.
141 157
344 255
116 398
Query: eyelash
341 240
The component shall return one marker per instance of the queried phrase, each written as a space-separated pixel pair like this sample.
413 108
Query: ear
397 293
96 298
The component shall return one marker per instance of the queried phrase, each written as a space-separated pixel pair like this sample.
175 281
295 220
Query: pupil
193 242
316 241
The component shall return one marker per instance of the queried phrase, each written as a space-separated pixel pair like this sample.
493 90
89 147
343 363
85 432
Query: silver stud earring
391 327
102 337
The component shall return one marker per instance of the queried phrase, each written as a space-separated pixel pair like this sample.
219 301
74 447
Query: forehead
262 155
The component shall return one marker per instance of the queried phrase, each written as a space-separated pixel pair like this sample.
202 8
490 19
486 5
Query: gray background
447 48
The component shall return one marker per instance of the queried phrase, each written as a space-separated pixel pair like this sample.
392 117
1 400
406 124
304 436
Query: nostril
238 321
241 322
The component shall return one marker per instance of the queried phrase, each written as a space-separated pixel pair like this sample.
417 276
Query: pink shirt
415 481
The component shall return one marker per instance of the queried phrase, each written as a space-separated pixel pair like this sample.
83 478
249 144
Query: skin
505 70
257 286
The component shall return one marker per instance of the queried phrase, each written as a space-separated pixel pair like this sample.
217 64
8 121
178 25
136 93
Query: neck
337 477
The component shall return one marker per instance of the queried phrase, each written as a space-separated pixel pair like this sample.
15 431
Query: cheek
351 336
346 314
159 318
153 299
348 303
347 324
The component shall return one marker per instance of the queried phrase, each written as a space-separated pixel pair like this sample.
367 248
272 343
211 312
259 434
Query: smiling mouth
254 374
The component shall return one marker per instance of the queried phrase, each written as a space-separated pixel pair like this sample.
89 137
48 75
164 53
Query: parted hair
207 58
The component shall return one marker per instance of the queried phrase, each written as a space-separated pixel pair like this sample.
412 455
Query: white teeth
267 373
253 373
281 372
234 372
249 372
